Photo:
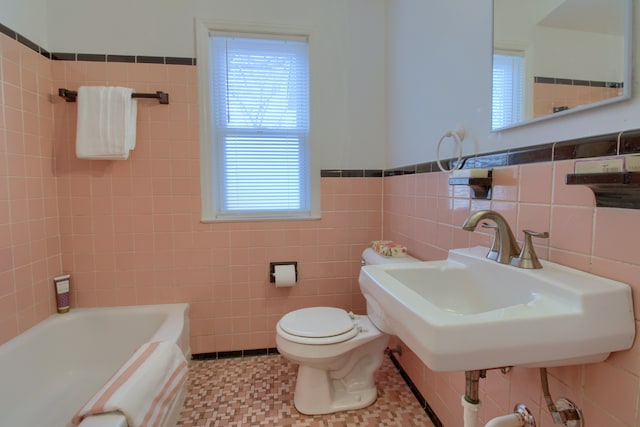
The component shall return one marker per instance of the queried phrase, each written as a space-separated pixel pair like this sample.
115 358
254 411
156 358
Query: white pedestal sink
470 313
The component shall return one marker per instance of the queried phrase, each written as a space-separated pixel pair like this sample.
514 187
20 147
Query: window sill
240 218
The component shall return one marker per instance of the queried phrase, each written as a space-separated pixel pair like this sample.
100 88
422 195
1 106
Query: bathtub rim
182 309
173 327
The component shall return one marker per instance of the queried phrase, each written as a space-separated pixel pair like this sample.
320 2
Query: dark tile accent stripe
179 61
394 172
630 142
373 173
131 59
330 173
409 170
121 58
548 80
234 353
204 356
259 352
150 59
61 56
351 173
425 405
8 32
95 57
572 82
229 354
45 53
539 153
490 160
425 167
586 147
28 43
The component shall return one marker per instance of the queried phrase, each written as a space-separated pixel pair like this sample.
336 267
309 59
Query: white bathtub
51 370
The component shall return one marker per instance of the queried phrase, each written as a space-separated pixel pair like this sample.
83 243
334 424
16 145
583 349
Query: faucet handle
528 257
530 233
495 245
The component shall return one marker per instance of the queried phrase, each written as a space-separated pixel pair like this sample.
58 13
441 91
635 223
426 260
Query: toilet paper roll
285 275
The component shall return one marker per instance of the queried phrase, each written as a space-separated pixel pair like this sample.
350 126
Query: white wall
349 108
440 76
438 61
439 72
554 52
28 17
138 27
578 55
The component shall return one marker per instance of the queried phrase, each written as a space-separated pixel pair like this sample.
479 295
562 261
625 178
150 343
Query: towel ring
458 136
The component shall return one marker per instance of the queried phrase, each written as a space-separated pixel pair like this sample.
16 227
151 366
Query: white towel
144 388
106 128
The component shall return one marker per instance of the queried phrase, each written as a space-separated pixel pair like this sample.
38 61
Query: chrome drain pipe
471 398
564 411
472 385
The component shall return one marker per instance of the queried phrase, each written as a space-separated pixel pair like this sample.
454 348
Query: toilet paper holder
272 269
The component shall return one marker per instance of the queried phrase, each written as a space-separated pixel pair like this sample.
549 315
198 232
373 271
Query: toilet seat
317 325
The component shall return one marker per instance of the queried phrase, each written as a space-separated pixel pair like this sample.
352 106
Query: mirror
555 57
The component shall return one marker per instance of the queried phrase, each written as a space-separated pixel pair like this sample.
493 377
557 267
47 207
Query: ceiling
595 16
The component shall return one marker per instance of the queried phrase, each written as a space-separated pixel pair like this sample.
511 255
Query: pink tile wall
29 237
425 213
131 230
546 96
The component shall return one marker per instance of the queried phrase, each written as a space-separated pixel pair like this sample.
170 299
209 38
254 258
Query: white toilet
338 353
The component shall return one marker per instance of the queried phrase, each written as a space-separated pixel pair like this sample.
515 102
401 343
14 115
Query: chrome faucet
507 245
495 245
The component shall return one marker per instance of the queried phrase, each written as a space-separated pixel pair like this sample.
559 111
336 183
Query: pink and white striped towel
144 388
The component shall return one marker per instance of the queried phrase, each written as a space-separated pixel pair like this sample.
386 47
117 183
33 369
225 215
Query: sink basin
468 312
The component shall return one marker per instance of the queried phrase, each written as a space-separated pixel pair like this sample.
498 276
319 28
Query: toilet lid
317 322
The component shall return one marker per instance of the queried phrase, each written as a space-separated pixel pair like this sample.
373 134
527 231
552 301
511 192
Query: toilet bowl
337 352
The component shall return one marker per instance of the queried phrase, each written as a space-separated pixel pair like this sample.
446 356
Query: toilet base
329 395
351 386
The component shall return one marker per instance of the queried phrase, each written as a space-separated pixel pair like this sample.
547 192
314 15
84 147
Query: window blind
508 90
260 100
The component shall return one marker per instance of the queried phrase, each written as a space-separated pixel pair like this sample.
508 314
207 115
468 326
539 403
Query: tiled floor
258 391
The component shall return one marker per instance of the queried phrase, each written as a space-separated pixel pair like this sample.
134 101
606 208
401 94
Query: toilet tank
371 257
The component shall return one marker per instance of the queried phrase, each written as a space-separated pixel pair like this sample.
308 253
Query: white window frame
211 208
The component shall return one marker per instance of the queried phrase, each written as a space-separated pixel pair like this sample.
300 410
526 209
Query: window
508 90
258 127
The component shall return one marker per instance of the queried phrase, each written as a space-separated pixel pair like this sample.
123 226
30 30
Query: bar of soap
388 248
606 165
632 163
470 173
